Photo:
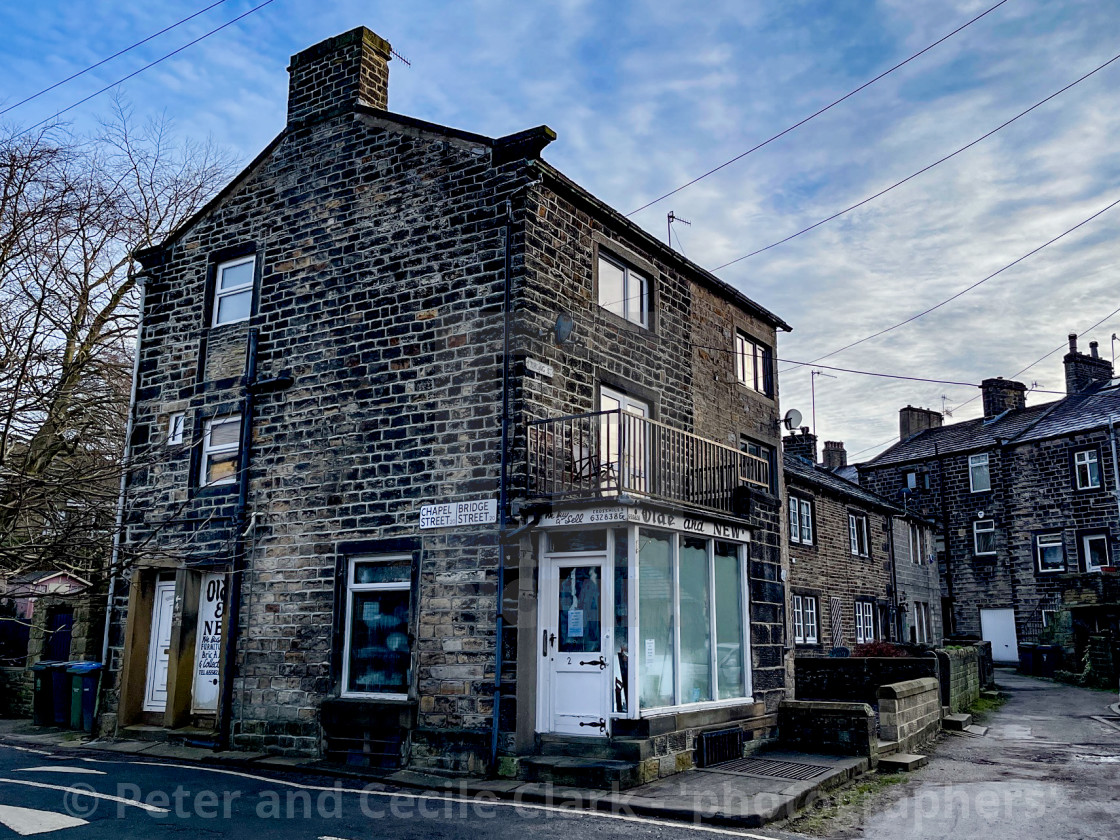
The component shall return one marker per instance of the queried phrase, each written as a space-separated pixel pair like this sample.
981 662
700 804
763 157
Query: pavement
710 797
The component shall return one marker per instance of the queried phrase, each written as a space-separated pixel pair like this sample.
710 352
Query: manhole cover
768 767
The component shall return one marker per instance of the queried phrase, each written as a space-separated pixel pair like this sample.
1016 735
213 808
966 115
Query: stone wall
828 727
15 693
910 712
960 678
857 678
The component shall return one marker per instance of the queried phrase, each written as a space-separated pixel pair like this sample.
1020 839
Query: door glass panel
621 664
379 647
655 619
696 627
729 621
579 619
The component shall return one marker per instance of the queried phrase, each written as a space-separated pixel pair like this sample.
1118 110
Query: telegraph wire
149 66
921 171
833 104
110 58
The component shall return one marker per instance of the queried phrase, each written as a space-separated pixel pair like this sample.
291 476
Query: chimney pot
1093 349
1073 342
1085 371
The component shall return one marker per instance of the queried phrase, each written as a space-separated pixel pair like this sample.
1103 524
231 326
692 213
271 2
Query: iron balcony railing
607 453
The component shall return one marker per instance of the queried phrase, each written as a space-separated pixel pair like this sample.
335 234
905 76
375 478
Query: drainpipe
115 553
894 577
1115 466
503 486
947 621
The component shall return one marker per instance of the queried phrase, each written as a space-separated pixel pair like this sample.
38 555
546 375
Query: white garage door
998 627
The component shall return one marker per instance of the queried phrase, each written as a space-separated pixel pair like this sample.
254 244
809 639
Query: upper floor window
1050 553
623 291
1087 469
753 363
175 424
1094 551
233 290
857 533
800 521
377 653
220 444
979 479
984 536
917 547
759 472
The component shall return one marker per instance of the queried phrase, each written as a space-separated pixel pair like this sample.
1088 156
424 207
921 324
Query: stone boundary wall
15 693
910 712
856 679
829 727
960 678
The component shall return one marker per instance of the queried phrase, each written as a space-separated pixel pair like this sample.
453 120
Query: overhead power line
816 114
110 58
150 65
921 171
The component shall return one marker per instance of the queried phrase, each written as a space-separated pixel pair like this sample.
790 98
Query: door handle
601 723
544 642
601 662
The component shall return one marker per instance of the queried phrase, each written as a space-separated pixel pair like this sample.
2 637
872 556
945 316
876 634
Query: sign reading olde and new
645 516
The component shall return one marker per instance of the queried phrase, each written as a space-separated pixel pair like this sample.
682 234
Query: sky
645 96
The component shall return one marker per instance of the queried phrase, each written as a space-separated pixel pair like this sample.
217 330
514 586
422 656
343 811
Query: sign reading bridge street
454 514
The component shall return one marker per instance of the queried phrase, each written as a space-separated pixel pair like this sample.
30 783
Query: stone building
1025 500
861 567
447 464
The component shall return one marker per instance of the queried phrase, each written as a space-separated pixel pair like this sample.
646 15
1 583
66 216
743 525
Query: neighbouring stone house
861 567
1025 500
447 462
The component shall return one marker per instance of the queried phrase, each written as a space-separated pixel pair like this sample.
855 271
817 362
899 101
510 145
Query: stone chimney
835 456
803 444
335 75
1083 372
912 420
1002 394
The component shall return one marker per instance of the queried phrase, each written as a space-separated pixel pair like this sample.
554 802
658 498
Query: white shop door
208 643
998 627
159 647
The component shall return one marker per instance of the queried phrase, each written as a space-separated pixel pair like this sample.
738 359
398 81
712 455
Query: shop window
377 654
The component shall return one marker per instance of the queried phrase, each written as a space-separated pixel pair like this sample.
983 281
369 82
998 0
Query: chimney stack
1001 395
835 456
1084 371
803 444
337 74
912 420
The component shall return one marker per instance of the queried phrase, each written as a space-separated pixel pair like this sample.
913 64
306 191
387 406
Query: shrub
879 649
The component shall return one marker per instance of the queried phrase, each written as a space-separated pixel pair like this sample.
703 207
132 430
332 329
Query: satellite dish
564 327
792 419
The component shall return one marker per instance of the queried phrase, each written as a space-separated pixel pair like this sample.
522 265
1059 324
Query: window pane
580 618
221 468
577 540
806 523
635 298
1096 552
811 620
396 571
621 663
729 621
379 647
612 295
224 433
696 627
1050 553
978 467
655 623
794 521
236 275
234 307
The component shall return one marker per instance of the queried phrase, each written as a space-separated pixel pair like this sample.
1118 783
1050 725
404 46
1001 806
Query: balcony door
623 448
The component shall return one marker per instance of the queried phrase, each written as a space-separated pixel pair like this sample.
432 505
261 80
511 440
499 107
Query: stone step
902 763
569 771
616 749
976 730
143 732
887 748
986 694
957 723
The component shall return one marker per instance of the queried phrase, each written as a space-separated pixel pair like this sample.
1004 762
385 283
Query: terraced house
447 463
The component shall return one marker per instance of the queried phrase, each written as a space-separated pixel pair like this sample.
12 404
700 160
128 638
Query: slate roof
1077 413
805 471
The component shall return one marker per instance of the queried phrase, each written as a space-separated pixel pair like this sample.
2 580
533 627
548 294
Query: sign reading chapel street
454 514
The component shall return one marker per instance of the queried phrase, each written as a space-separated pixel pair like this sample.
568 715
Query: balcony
607 454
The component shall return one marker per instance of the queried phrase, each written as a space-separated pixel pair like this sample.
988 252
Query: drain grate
770 768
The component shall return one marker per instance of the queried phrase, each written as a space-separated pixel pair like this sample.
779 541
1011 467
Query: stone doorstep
902 762
957 723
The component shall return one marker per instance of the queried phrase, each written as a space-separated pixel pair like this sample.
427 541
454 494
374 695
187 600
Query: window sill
633 326
374 699
215 490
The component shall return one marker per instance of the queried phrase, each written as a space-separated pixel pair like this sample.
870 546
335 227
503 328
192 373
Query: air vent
718 746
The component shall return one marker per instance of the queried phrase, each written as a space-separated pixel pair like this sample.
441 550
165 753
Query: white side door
575 640
622 441
208 643
998 627
159 647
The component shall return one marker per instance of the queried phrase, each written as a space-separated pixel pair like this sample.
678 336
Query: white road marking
27 749
92 793
25 821
490 803
88 771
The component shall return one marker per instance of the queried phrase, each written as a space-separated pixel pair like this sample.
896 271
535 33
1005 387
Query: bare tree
72 211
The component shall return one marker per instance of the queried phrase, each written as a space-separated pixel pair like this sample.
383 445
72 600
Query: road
1049 767
80 795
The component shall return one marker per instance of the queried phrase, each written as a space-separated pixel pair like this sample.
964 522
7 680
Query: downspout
894 576
503 486
115 552
1115 466
946 620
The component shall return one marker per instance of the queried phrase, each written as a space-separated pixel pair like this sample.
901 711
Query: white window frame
800 520
1085 540
1048 617
175 424
921 623
917 554
1079 462
220 293
977 530
750 363
351 589
911 480
208 449
1049 540
630 277
858 535
805 626
974 463
865 622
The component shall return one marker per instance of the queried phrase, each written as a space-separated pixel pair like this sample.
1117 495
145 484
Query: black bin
42 703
